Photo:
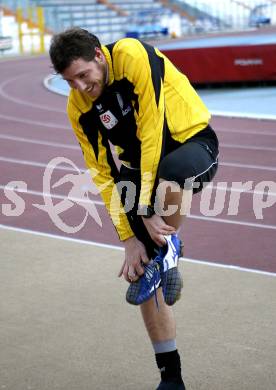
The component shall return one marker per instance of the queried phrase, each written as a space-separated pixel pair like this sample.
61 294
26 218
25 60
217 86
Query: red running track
34 130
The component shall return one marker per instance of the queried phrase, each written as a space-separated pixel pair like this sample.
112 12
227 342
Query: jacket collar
109 64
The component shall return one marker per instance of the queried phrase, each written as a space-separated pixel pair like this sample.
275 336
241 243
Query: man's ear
99 56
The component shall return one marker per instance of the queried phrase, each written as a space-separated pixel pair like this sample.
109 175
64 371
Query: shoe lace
155 276
158 263
162 253
155 280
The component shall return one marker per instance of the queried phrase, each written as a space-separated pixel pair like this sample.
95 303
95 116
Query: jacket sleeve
141 65
101 172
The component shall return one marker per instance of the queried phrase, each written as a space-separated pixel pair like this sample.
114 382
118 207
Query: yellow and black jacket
147 107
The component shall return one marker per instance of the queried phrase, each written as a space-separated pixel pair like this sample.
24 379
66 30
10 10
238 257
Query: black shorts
192 165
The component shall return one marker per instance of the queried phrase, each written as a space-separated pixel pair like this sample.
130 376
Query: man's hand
135 255
157 229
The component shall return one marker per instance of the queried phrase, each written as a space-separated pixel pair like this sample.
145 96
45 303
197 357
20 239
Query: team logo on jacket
99 107
108 119
120 100
121 104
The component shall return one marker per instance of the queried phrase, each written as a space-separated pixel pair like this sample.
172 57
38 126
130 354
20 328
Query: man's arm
135 251
102 175
144 69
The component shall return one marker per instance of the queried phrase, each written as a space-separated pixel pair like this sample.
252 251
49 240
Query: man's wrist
128 239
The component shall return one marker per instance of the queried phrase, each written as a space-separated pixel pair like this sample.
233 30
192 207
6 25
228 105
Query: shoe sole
174 285
133 292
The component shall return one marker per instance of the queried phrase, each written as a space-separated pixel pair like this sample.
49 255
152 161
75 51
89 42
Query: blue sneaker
146 286
171 278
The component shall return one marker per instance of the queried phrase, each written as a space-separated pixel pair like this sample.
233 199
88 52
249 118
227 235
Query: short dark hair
71 45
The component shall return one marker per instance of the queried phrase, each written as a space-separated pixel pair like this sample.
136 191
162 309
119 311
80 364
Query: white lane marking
226 164
39 142
190 216
214 187
260 133
232 267
248 166
236 165
47 84
247 147
37 164
36 123
20 58
53 125
240 190
50 195
248 115
64 168
59 196
119 248
22 102
234 114
62 145
232 222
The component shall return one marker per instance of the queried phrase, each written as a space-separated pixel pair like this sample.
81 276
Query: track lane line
253 132
214 187
21 102
243 115
39 142
189 216
70 146
247 147
35 123
248 166
31 122
226 164
37 164
19 58
120 248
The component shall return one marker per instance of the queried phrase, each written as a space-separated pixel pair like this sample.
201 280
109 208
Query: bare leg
171 195
160 324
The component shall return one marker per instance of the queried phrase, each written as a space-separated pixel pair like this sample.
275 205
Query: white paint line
36 123
39 142
119 248
51 195
37 164
237 165
232 267
232 222
248 147
240 190
56 236
20 58
249 115
100 203
214 187
68 169
47 84
242 132
248 166
76 147
22 102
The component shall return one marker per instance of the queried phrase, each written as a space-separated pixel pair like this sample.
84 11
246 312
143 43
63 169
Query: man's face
88 77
